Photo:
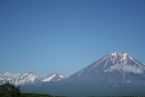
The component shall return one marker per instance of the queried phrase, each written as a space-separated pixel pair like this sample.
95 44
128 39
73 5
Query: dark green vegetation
10 90
36 95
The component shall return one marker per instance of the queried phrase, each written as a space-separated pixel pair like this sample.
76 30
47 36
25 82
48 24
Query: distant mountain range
28 78
115 74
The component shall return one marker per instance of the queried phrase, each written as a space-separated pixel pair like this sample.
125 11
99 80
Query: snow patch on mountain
53 77
124 68
49 78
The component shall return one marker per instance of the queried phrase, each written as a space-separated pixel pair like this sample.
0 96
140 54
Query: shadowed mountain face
117 67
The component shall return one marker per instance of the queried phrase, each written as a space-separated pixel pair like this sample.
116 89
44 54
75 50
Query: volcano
113 68
115 74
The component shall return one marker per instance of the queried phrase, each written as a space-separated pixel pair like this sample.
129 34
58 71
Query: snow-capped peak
116 66
18 79
121 56
29 77
115 62
122 62
53 77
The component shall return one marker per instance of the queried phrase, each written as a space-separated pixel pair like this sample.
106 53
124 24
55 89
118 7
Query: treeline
10 90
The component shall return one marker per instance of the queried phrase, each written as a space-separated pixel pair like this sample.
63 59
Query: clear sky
64 36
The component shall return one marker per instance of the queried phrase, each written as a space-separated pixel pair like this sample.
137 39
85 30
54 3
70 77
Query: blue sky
64 36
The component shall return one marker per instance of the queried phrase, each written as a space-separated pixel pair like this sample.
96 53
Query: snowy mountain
28 78
116 67
18 79
53 77
115 74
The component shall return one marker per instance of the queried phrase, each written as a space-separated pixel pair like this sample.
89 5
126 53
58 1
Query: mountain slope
116 67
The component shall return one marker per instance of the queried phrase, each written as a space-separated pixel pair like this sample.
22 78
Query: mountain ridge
28 78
